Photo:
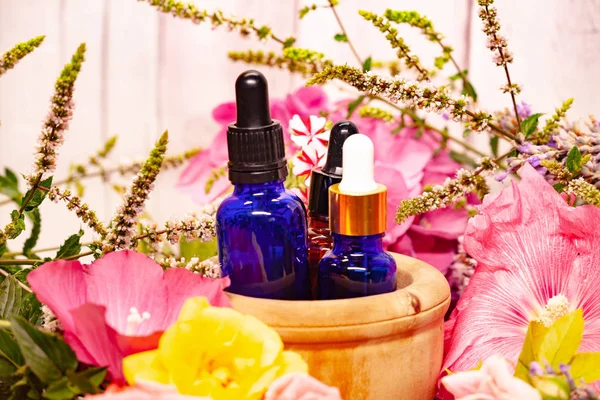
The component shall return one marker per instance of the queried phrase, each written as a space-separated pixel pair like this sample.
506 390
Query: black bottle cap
255 141
331 173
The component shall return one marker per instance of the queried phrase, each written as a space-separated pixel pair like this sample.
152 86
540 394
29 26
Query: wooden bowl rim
424 289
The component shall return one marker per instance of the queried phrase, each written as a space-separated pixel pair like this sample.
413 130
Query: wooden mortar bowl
387 346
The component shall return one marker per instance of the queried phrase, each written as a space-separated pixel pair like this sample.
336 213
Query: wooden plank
196 76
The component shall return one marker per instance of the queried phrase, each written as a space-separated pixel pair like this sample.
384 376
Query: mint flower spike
124 223
9 59
58 118
217 18
403 51
82 210
440 196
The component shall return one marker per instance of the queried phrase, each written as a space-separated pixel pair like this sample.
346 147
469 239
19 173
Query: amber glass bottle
319 235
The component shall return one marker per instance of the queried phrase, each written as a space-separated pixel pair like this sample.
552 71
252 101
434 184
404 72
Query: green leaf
536 332
3 249
60 390
289 42
353 105
9 349
196 248
494 145
367 64
87 381
586 366
559 187
71 246
11 176
530 124
11 296
304 10
562 339
462 158
551 387
38 196
458 75
31 308
18 221
31 241
46 354
340 37
469 90
573 160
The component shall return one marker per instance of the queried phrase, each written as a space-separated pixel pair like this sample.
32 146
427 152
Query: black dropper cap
331 173
254 141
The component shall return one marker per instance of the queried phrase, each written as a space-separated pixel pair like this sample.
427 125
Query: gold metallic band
358 215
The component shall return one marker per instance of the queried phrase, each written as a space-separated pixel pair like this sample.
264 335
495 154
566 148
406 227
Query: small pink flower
537 259
146 391
494 381
310 133
118 305
308 158
301 387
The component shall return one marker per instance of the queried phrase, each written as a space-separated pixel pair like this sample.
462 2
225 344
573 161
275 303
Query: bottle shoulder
358 257
282 204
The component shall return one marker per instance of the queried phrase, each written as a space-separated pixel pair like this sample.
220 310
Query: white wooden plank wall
146 72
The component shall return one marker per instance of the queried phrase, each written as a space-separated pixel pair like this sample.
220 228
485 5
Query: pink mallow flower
537 259
201 169
301 387
118 305
493 381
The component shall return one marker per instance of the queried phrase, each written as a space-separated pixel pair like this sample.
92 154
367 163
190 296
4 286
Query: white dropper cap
358 175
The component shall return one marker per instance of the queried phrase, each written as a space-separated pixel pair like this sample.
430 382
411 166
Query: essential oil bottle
319 235
261 227
357 265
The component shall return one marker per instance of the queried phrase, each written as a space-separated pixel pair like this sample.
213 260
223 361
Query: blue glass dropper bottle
261 227
357 265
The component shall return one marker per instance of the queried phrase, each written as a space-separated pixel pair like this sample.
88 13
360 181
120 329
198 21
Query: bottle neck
372 243
317 220
251 188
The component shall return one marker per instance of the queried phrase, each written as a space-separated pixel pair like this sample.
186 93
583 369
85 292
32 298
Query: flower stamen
555 308
135 319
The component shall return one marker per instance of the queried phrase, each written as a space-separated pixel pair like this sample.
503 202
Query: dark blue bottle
357 265
261 227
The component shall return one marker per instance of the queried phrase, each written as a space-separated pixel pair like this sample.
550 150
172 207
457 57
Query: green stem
341 25
29 261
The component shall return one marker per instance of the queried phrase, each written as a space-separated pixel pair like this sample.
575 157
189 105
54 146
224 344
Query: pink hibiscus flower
201 169
537 259
146 391
118 305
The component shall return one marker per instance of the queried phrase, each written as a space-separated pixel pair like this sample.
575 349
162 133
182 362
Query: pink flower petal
225 113
435 251
61 286
301 387
182 284
397 191
124 279
99 338
446 223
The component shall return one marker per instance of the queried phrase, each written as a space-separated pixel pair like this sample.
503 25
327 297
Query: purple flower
524 110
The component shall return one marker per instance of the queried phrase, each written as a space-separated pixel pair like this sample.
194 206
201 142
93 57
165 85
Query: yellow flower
216 352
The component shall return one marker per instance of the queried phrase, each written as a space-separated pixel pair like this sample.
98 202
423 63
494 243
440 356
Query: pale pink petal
225 113
464 383
61 286
301 387
182 284
125 279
